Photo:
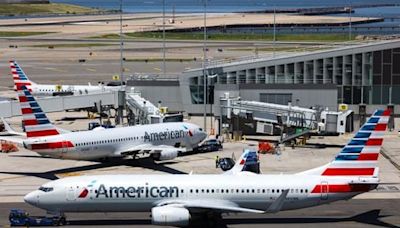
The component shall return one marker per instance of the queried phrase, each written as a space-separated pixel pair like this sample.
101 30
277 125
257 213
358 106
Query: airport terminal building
365 75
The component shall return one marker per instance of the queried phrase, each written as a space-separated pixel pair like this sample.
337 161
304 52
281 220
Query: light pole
205 66
121 44
350 9
274 36
211 116
164 65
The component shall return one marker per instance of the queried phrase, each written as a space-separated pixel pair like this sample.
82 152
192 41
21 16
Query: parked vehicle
209 145
20 217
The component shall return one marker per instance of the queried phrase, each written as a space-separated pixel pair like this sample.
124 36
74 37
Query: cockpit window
44 189
200 129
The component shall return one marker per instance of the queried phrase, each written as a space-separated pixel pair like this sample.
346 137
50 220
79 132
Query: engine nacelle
166 154
170 216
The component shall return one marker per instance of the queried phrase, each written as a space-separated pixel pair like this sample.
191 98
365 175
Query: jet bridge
252 117
142 111
61 103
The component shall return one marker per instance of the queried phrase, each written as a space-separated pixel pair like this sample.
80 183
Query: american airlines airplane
161 141
20 78
175 200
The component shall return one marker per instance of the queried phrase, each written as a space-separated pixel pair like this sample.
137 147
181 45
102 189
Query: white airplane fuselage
141 193
50 90
104 143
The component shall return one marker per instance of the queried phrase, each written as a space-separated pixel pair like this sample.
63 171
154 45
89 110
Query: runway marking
158 69
55 69
72 174
10 178
91 69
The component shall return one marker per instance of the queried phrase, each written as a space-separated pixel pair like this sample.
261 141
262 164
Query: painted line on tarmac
91 69
55 69
72 174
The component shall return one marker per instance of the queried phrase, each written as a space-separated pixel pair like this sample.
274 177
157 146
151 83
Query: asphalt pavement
351 213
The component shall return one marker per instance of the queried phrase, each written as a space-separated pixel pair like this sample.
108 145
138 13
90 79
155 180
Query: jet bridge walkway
288 115
142 111
61 103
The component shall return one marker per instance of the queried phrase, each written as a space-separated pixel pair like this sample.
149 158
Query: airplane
176 200
160 141
20 78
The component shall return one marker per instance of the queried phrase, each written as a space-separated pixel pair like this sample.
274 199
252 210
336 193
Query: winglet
248 157
276 206
9 130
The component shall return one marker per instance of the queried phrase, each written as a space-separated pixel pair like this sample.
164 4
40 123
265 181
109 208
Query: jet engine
165 154
170 216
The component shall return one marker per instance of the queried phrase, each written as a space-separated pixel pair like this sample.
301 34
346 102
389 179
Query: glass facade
362 77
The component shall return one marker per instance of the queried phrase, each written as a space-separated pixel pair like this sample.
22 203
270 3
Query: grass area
160 59
51 8
225 36
15 34
71 45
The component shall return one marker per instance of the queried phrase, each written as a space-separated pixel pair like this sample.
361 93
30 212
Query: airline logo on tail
360 156
19 77
34 120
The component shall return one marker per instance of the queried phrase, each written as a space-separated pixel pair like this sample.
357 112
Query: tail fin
248 158
19 76
360 156
34 120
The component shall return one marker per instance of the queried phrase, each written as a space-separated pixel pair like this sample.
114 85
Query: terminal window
276 98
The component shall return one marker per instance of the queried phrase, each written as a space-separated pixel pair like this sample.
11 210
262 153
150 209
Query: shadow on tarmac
370 217
146 163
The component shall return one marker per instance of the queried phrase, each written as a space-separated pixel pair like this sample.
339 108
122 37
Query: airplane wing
213 205
160 152
9 131
225 206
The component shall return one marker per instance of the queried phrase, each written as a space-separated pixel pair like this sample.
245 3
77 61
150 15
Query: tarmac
24 171
352 213
91 25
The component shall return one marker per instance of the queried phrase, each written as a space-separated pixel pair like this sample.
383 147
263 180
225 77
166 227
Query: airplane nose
31 198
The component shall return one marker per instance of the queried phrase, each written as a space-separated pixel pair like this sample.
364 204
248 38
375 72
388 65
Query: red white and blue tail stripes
360 156
34 120
19 77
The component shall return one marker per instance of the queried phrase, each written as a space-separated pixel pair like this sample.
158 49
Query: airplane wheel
62 221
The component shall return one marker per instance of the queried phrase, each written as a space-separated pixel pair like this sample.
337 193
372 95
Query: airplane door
70 193
324 190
